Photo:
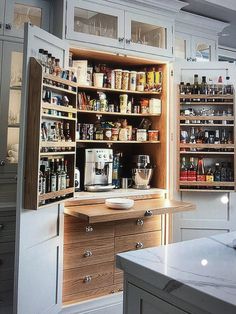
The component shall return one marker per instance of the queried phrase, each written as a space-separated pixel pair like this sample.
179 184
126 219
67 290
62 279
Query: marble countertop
200 272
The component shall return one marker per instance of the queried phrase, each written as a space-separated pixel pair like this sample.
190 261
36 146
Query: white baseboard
103 305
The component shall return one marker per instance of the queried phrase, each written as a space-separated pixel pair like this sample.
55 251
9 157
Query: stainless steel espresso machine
98 170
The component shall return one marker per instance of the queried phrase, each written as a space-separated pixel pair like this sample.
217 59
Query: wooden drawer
137 241
76 230
88 253
6 266
139 225
87 278
91 294
7 228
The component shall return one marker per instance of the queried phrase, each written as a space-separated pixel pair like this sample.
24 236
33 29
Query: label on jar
201 177
209 178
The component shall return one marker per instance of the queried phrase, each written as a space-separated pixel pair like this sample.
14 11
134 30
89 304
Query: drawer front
76 230
91 294
137 241
87 278
6 266
133 226
88 253
7 228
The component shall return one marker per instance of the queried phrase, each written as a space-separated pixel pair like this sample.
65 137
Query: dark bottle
200 170
58 174
183 170
53 177
43 179
223 172
67 175
189 90
45 60
228 87
182 88
63 175
116 171
230 172
196 89
192 171
217 137
67 133
40 56
204 89
217 176
206 137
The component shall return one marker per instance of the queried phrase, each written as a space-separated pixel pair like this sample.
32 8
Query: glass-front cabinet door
204 49
10 101
182 46
95 23
18 12
150 35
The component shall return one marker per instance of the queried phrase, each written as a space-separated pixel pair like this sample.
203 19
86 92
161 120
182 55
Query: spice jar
99 135
123 103
153 135
144 104
107 134
132 80
151 79
141 81
141 135
114 134
118 78
125 80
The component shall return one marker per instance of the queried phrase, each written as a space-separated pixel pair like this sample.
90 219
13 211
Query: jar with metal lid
141 135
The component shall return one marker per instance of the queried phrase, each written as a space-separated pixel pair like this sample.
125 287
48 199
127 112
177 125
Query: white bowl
119 203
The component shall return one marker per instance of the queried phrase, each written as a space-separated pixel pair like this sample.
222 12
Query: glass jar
141 135
132 80
118 78
125 80
107 134
141 81
153 135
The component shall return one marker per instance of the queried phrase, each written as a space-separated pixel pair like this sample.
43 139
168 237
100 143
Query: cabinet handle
121 39
88 253
89 229
1 227
128 41
87 279
0 25
139 245
139 222
8 26
148 213
2 163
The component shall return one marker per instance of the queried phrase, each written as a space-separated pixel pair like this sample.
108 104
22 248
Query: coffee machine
98 170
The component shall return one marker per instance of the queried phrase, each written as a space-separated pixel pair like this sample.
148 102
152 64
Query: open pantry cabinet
209 114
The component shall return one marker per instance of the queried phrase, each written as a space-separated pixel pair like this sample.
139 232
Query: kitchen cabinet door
2 3
25 11
10 96
39 234
95 23
152 35
203 49
182 46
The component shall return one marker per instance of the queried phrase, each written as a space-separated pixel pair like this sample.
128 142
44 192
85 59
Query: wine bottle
200 170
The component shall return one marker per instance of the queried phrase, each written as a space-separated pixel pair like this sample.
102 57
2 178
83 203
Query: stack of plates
119 203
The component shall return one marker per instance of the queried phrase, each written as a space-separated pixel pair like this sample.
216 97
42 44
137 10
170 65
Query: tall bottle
217 175
63 175
53 177
58 174
67 133
192 172
223 172
200 170
195 83
183 170
204 89
67 175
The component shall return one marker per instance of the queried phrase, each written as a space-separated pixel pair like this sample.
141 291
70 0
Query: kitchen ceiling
226 12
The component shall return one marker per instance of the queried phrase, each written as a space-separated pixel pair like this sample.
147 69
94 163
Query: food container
144 104
141 135
99 135
112 79
132 80
141 81
107 134
123 134
114 134
155 106
151 79
123 103
129 132
118 78
111 107
125 80
98 79
153 135
134 131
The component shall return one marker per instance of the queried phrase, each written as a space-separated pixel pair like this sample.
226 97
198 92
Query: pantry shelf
59 80
207 125
119 113
51 195
217 118
49 106
206 183
220 103
207 190
118 142
205 153
200 96
51 116
59 89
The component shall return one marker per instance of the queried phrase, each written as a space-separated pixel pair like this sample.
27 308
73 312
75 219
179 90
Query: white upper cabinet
131 27
18 12
149 33
95 23
204 49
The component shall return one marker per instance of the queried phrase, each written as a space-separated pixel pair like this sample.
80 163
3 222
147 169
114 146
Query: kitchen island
197 276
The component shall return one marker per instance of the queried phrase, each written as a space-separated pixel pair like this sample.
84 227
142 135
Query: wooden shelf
111 90
210 146
58 79
15 125
119 113
205 153
51 195
201 96
206 183
206 190
46 105
190 103
50 116
118 142
56 154
217 118
19 88
57 144
59 89
207 125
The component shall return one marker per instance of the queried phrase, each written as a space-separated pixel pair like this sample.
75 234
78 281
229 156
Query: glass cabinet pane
203 52
24 14
14 107
180 48
95 23
147 34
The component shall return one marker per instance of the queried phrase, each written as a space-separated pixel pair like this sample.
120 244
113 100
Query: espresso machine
98 170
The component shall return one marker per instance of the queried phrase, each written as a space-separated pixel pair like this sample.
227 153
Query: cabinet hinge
171 73
172 50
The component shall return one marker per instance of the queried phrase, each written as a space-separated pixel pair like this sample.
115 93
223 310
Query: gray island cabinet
196 277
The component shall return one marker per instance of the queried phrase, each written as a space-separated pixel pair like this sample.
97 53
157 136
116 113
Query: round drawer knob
148 213
87 279
139 222
88 253
139 245
89 229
